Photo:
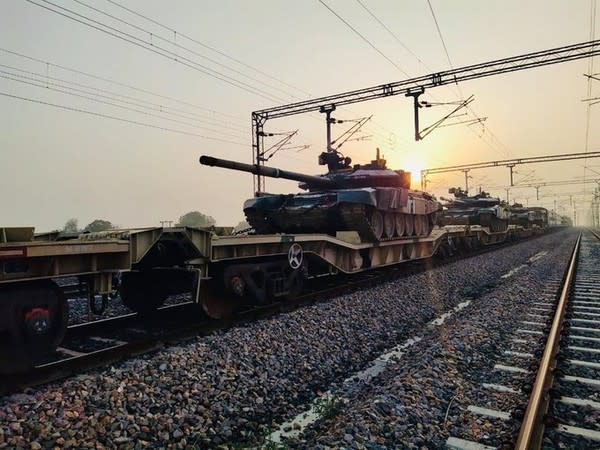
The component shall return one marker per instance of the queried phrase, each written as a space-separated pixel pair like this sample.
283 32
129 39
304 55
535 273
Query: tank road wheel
376 223
498 225
389 225
425 225
399 218
430 221
409 224
419 225
36 322
142 292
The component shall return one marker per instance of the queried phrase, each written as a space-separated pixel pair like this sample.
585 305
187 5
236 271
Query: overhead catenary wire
504 151
208 47
149 46
176 33
179 46
384 26
112 31
120 119
359 34
437 26
118 83
371 45
112 96
115 105
469 108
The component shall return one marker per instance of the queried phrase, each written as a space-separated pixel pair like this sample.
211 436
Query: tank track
498 225
354 218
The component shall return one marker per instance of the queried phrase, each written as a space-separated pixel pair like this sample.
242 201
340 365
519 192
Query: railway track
103 342
553 359
564 411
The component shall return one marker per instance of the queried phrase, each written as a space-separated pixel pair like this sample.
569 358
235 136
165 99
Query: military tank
480 209
371 199
528 217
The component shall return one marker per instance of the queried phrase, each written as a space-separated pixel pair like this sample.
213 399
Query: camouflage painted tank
480 209
528 217
371 199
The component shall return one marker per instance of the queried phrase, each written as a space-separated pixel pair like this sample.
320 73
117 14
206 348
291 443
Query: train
224 273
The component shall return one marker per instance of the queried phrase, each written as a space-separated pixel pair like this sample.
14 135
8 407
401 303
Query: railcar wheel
142 292
389 225
376 222
409 224
216 303
37 318
399 218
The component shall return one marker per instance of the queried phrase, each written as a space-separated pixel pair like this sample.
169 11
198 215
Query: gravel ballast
237 386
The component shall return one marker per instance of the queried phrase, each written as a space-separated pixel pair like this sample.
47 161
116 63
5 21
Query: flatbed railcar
223 273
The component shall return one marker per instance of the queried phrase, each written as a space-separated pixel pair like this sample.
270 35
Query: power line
120 119
469 108
386 28
363 38
112 96
372 46
440 33
178 33
62 91
149 46
117 83
151 34
175 44
392 34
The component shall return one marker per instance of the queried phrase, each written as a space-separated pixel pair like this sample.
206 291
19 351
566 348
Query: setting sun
410 163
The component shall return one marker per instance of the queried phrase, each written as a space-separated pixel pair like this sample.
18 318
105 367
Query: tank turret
371 199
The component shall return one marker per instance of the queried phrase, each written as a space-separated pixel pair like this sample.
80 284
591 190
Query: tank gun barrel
265 171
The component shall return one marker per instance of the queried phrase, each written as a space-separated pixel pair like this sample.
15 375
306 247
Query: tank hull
495 218
375 213
529 217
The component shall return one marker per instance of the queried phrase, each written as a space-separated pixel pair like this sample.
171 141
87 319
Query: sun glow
413 164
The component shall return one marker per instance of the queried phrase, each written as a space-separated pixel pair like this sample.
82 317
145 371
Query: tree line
191 219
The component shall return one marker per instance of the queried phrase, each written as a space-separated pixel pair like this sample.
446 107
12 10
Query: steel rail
594 233
531 432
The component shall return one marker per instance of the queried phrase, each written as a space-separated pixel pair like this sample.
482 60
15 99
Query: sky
94 125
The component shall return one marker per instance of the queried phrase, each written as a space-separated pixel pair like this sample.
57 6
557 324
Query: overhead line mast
416 86
510 163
